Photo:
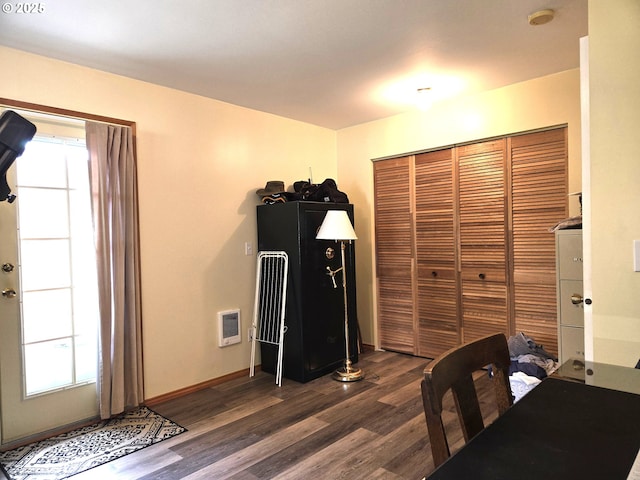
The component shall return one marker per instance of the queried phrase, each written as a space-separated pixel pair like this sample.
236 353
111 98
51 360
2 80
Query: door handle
8 293
576 299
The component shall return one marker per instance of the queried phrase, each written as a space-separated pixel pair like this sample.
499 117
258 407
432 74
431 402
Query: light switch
636 255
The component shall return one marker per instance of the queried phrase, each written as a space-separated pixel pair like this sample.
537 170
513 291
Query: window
57 265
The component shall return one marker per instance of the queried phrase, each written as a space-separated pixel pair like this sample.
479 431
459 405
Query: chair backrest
453 370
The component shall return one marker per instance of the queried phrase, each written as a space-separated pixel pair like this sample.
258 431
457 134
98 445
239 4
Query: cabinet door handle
434 274
482 276
576 299
9 293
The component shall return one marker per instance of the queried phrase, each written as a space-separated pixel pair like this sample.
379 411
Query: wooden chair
454 370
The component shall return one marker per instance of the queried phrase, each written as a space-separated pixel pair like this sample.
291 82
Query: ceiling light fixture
541 17
424 98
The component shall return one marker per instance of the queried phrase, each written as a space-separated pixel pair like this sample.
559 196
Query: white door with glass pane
49 308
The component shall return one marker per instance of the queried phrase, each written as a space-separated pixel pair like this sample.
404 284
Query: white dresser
570 295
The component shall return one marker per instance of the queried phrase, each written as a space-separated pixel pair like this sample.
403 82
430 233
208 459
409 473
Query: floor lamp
337 226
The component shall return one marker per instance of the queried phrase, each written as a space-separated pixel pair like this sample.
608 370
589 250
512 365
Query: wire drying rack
270 305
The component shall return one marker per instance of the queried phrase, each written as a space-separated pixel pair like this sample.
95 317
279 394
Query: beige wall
544 102
200 162
614 73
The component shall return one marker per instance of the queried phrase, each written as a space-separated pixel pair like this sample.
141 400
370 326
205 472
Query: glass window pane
81 225
78 164
86 358
85 311
42 165
46 315
57 265
48 365
43 213
45 264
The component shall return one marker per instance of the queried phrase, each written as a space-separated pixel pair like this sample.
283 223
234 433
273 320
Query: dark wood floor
251 429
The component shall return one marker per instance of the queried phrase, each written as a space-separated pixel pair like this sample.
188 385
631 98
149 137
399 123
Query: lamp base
348 374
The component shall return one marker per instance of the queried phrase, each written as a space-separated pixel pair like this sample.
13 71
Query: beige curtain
115 215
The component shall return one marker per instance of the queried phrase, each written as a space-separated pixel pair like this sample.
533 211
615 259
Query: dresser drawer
571 343
570 255
571 313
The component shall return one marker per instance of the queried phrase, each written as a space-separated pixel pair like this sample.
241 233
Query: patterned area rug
74 452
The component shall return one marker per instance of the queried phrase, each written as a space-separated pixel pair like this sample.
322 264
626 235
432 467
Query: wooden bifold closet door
483 238
438 321
463 247
394 253
538 201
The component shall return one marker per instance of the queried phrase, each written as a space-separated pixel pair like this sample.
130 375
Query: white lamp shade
336 226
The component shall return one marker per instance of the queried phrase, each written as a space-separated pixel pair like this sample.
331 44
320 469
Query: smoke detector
541 17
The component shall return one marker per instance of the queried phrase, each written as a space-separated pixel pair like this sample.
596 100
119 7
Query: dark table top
560 430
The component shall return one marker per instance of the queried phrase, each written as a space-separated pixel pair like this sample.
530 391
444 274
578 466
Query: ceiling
332 63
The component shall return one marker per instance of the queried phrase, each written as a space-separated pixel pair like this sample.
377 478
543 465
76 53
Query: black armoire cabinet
314 342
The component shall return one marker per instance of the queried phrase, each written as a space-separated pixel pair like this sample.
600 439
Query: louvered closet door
539 201
438 319
394 253
482 223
